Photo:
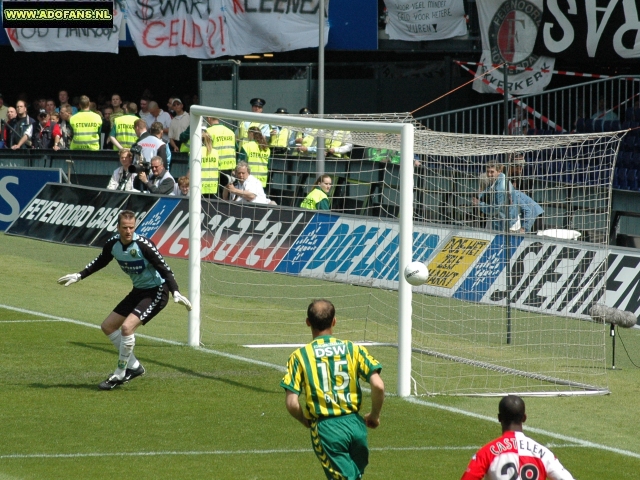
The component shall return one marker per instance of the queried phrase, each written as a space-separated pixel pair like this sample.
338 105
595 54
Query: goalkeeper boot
132 373
112 382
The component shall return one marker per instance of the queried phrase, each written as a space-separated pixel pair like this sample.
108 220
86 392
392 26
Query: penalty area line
31 321
215 452
418 401
471 448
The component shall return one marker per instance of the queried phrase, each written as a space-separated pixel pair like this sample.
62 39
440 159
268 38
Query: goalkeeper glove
69 279
181 299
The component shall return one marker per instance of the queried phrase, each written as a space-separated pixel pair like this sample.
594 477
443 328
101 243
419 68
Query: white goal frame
406 133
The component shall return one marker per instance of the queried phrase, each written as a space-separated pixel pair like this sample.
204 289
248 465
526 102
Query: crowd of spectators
235 164
103 123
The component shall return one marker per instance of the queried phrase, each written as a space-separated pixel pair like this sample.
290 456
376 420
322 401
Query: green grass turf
202 415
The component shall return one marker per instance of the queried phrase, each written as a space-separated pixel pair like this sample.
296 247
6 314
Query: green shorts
340 443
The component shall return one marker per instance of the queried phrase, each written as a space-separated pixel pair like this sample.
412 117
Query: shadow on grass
146 361
76 386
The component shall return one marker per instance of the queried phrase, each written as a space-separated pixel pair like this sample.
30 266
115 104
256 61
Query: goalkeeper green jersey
328 371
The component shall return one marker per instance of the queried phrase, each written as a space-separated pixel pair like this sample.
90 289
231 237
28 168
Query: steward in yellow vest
305 143
256 153
257 105
224 141
243 132
122 131
210 165
185 140
317 198
86 127
279 140
338 145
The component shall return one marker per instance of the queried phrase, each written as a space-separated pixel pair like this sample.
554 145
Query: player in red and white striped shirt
514 456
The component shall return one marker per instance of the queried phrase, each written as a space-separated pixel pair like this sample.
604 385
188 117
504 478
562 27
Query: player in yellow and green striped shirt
329 370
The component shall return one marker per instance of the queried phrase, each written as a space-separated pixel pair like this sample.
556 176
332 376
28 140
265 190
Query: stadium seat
588 125
339 167
624 160
588 222
580 128
555 216
629 114
365 171
616 181
390 202
304 165
628 143
277 164
392 175
632 179
281 188
357 197
621 177
598 125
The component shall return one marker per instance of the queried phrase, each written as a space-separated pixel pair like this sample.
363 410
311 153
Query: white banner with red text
223 27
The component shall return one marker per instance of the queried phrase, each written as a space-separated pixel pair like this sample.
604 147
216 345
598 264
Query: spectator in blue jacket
494 202
529 211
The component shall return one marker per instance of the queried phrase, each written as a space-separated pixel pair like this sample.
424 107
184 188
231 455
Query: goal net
514 230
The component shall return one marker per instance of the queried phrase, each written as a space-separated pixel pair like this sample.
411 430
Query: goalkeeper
152 281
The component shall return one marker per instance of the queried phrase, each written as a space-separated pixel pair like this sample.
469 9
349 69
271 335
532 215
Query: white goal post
405 133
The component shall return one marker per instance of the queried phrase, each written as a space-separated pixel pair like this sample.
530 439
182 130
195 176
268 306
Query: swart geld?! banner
214 28
546 275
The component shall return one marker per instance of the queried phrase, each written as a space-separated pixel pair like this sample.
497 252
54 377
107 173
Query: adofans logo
512 33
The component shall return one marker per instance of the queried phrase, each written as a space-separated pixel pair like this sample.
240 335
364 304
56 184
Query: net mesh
504 310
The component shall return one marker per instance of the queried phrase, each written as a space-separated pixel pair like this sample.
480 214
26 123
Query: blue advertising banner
18 186
545 275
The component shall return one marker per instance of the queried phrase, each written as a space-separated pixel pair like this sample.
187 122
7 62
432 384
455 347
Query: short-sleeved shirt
253 185
141 260
178 125
514 455
328 370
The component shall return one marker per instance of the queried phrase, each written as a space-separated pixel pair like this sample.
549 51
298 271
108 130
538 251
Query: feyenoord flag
509 29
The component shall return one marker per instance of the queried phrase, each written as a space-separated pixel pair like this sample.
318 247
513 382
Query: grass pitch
216 413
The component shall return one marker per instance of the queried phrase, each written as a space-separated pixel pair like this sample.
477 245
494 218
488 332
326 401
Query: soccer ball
416 273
